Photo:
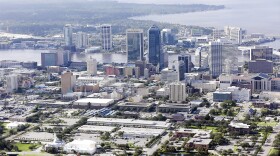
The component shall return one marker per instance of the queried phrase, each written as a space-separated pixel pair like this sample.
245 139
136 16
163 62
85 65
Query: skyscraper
156 56
49 59
187 61
92 66
82 40
215 58
63 57
167 37
67 82
134 45
68 32
106 35
182 70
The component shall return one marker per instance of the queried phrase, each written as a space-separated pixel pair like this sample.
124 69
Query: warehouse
129 123
93 103
129 132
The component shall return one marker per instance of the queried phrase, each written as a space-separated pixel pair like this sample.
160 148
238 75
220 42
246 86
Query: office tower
82 40
156 56
167 37
217 34
12 83
92 66
235 34
63 57
177 91
182 70
134 45
215 59
261 52
187 61
198 57
68 81
68 32
49 59
106 35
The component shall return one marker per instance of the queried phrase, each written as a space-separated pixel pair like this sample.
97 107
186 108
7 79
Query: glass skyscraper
134 45
156 56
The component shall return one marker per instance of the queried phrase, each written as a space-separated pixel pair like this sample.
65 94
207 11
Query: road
245 109
152 150
269 141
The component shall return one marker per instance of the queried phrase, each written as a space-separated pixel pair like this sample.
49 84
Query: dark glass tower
156 56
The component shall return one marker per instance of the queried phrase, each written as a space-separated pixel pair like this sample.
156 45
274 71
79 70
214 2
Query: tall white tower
92 66
106 35
68 35
12 83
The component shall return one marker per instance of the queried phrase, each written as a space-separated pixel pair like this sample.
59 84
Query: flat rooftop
96 128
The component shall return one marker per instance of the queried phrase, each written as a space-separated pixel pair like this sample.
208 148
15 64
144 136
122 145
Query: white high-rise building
68 35
82 40
12 83
177 91
215 59
234 34
92 66
106 35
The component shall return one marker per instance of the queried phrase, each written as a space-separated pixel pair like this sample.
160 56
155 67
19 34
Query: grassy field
269 123
25 147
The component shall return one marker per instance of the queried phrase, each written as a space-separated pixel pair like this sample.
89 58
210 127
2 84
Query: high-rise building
215 59
134 45
49 59
12 83
63 57
67 82
167 37
235 34
260 66
81 40
198 57
182 70
106 35
92 66
177 91
187 61
261 52
156 56
68 32
217 34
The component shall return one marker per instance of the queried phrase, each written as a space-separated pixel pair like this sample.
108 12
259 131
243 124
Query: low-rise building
239 128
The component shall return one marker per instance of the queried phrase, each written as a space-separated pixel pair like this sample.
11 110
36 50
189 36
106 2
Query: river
256 16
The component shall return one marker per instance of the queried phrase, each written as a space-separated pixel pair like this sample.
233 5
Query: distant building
68 81
182 70
63 57
235 34
215 59
156 55
221 96
177 91
106 35
68 32
12 83
135 45
49 59
260 66
82 40
261 82
167 37
187 61
92 66
261 52
217 34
